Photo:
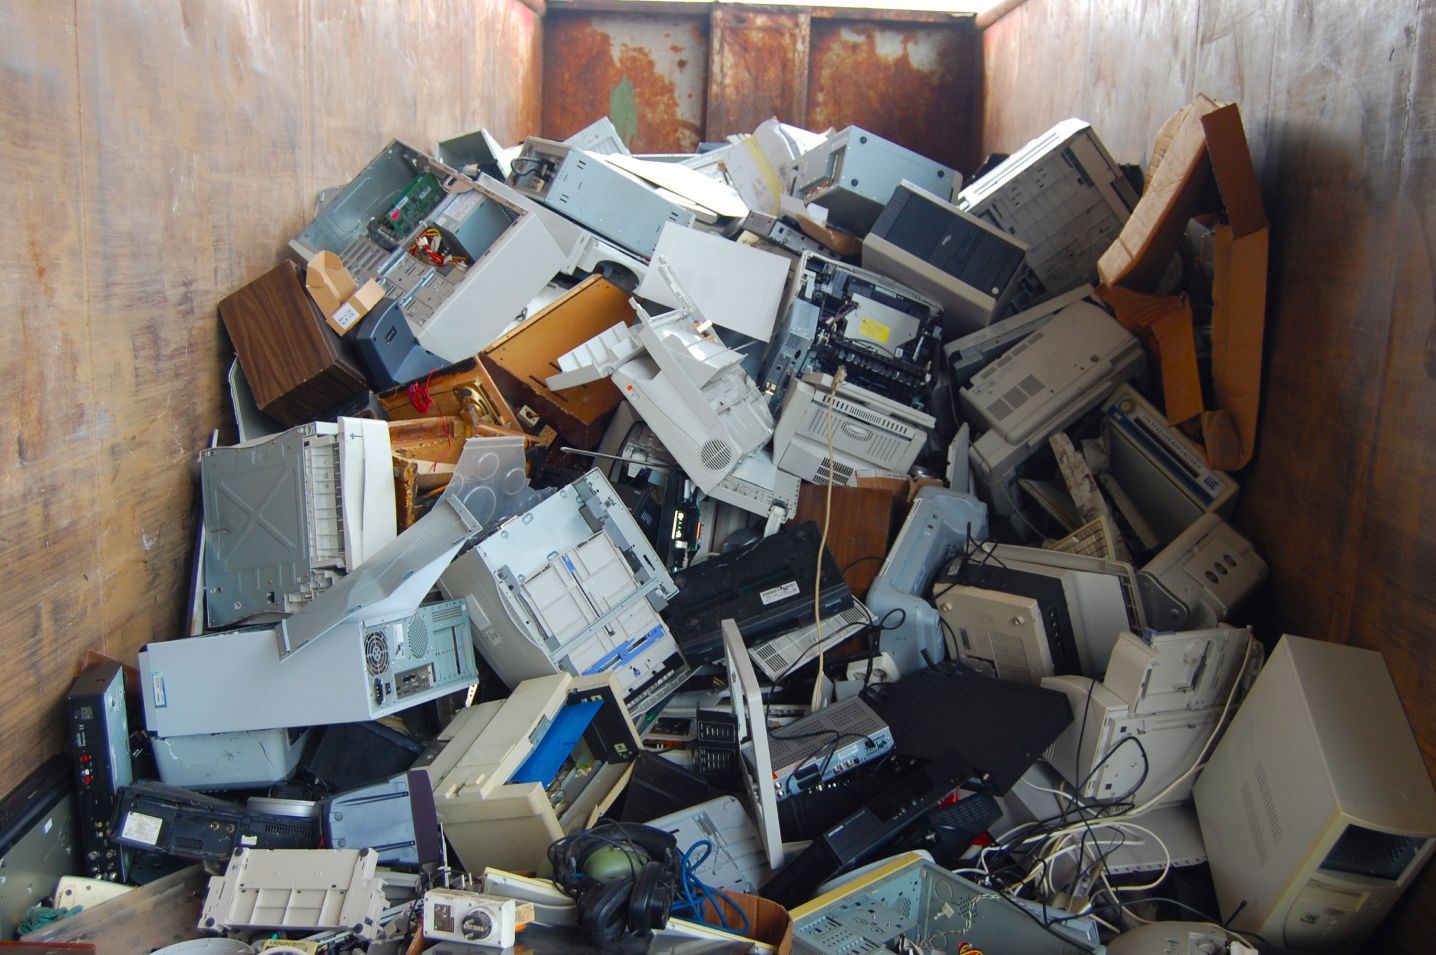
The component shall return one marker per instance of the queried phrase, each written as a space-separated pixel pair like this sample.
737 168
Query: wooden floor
156 156
1339 102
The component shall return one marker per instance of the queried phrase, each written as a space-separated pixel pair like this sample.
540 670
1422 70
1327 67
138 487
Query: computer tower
1316 807
362 670
963 263
286 516
482 258
853 173
610 201
100 743
1064 196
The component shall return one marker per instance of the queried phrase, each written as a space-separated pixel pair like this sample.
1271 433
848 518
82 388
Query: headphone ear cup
651 900
603 911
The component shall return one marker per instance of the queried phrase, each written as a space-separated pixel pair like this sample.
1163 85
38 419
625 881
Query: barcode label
774 594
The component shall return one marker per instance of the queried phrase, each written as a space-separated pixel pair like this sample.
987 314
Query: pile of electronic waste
770 549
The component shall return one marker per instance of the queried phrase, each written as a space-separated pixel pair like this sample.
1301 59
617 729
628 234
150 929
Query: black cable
853 563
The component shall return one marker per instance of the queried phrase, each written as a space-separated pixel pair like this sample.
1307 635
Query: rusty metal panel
916 84
759 69
648 74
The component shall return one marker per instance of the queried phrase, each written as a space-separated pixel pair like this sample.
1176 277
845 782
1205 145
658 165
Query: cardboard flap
1164 323
1231 162
1238 326
329 282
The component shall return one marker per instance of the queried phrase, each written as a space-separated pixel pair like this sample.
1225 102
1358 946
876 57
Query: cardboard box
328 282
768 922
1201 147
347 316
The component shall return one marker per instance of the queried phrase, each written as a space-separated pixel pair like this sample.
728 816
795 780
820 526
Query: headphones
632 901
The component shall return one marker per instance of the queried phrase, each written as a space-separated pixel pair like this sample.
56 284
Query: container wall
155 158
677 76
1340 108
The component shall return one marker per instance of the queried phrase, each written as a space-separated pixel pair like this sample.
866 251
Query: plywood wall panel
49 509
1337 99
156 157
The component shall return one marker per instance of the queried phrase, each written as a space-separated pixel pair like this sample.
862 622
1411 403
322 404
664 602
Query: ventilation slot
1032 385
716 455
417 632
1269 804
1016 397
999 409
1254 824
829 470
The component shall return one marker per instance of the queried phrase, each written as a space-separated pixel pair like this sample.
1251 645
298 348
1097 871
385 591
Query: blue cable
713 896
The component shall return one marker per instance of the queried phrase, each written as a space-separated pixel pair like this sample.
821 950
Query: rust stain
589 80
758 72
865 75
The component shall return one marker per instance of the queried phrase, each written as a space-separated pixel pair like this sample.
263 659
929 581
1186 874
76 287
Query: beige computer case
1319 745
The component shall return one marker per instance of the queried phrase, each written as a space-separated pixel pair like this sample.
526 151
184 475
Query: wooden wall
1339 103
155 157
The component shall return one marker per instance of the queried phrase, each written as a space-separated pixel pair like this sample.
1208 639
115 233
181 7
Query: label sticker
139 827
876 331
249 840
774 594
346 316
157 680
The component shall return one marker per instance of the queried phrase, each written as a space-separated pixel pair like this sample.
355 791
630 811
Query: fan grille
376 652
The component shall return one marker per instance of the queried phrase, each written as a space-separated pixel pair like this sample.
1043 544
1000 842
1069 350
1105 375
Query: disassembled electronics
572 585
888 338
